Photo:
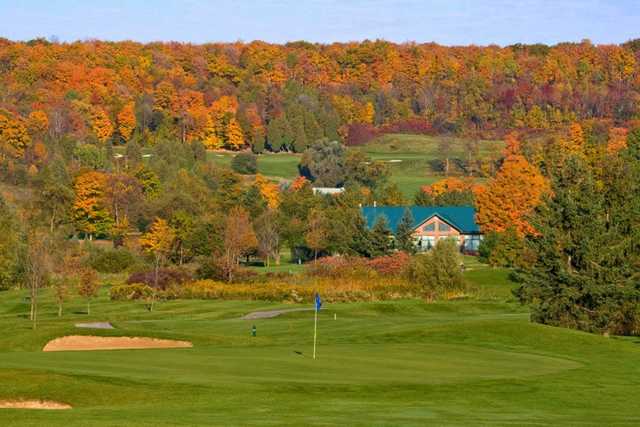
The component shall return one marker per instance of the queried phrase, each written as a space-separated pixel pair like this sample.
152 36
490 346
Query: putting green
366 364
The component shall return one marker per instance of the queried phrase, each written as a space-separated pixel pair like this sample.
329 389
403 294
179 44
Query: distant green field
280 165
475 361
410 157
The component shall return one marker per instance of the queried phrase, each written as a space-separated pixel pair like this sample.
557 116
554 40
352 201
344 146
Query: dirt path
88 342
272 313
32 404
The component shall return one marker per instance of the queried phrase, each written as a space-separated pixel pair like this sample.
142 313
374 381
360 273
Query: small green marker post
254 331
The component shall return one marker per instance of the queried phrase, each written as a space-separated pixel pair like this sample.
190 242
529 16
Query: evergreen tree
381 243
299 138
587 248
404 233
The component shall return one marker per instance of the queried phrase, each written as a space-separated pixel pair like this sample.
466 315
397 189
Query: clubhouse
431 224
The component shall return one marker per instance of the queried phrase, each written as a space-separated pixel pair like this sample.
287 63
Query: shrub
133 291
438 271
339 267
346 290
167 277
216 269
111 260
390 265
245 163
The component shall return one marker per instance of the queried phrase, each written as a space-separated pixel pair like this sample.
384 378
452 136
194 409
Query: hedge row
331 291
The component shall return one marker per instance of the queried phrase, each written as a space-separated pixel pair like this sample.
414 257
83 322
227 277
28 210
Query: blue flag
318 302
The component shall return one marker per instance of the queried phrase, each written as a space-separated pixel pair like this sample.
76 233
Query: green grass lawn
273 165
464 362
410 157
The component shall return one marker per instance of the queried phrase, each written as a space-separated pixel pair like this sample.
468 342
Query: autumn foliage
232 95
510 196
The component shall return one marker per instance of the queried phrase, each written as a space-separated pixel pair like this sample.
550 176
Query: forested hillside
284 97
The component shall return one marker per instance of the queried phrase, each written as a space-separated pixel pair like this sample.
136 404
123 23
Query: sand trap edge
96 343
32 404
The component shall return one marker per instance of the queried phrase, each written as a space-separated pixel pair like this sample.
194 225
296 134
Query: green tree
11 246
438 271
404 233
245 163
381 238
55 193
324 164
587 250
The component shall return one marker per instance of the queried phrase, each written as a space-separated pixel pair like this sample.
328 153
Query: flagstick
315 332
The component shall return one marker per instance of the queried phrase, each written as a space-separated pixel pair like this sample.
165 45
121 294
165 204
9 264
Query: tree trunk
88 307
155 283
34 304
59 309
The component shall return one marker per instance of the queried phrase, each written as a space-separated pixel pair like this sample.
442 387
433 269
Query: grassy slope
415 152
476 361
281 165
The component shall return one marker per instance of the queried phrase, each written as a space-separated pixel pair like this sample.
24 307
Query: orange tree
510 196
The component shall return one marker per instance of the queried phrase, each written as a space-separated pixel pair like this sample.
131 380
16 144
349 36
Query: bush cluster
341 266
245 163
348 290
167 277
438 272
132 291
111 260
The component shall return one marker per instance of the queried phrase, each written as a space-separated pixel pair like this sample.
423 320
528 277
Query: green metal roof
463 218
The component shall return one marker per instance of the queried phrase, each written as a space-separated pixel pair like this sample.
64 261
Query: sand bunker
87 342
32 404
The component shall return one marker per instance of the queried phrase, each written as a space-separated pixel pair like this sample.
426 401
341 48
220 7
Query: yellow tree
127 120
210 138
158 242
101 125
89 208
574 144
37 124
511 196
14 138
235 137
268 190
367 113
88 285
